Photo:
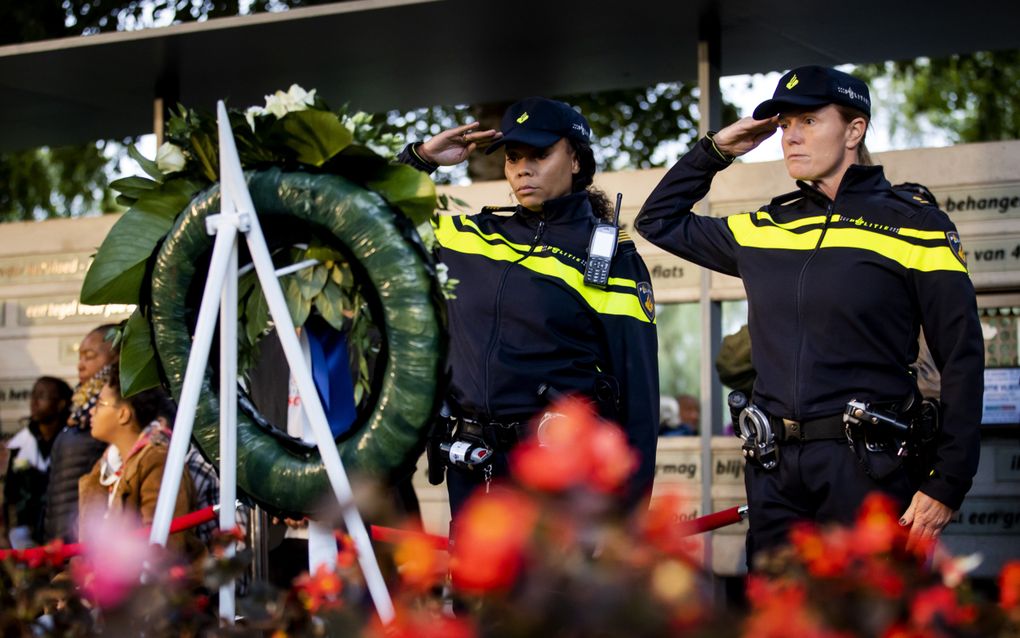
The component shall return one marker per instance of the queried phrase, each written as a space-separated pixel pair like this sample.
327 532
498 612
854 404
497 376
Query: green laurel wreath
296 131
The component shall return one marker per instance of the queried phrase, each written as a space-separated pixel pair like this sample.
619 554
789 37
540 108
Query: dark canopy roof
385 54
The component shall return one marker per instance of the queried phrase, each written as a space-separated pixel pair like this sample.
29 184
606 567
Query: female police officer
840 276
523 317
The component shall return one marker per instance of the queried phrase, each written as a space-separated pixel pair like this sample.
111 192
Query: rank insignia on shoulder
499 209
644 293
957 247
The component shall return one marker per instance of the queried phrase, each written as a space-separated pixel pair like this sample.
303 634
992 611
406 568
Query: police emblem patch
644 293
956 246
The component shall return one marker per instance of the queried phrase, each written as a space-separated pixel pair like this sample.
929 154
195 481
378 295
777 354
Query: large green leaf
311 280
134 186
297 303
316 136
139 369
323 253
150 167
330 303
256 315
409 190
115 275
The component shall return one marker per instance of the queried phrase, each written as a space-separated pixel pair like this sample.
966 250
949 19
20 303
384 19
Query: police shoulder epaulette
499 209
622 237
787 198
912 197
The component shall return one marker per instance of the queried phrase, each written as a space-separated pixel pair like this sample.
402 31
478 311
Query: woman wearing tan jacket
126 480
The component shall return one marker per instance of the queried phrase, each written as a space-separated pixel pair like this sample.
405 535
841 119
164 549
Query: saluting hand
745 135
453 146
926 518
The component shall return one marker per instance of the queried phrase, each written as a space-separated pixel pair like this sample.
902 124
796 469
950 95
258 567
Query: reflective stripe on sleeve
900 247
470 240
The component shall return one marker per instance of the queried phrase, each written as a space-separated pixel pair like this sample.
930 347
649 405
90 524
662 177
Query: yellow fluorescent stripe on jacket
798 223
908 255
602 301
448 229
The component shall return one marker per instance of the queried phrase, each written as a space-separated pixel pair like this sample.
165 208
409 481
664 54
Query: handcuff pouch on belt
466 443
759 438
885 435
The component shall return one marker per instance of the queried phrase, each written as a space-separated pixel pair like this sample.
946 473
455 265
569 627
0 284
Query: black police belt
500 435
762 433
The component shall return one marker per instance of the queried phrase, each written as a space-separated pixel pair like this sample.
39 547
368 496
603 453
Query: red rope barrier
714 520
392 535
699 525
58 552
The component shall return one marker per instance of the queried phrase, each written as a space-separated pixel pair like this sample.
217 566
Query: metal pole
709 108
226 234
228 414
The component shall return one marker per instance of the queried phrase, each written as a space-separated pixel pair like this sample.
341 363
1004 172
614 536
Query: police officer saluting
535 307
840 275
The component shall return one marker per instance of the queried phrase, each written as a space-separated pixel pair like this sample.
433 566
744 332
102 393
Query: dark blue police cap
809 87
541 122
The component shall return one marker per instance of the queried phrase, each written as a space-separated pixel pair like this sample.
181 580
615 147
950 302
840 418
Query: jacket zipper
494 339
800 318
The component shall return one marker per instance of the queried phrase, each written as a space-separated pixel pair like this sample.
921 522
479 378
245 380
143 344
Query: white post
228 408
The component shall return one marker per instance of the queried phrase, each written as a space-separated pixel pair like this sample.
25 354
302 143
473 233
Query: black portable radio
601 249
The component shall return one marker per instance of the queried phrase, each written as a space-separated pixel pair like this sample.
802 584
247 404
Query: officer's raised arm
744 135
448 148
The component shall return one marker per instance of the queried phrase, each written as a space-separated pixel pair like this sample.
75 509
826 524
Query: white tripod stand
237 214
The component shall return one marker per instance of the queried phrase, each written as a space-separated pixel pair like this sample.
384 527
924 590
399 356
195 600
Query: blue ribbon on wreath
331 372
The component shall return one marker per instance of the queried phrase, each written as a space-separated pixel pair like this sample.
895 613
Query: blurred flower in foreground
779 610
1009 586
346 551
421 625
490 538
663 528
572 446
109 571
938 607
877 529
321 590
419 562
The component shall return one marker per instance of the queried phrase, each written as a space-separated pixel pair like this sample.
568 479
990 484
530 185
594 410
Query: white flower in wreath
250 114
170 158
295 99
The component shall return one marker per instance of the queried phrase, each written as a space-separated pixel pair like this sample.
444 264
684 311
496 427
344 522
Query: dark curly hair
583 179
146 404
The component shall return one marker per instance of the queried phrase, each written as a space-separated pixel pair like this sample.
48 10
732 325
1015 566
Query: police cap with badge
541 122
809 87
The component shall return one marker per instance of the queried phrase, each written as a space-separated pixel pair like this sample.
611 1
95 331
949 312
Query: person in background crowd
74 450
841 277
524 317
204 476
690 414
669 414
29 468
684 413
127 478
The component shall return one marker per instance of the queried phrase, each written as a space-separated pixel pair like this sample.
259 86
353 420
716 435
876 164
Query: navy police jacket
522 316
837 291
